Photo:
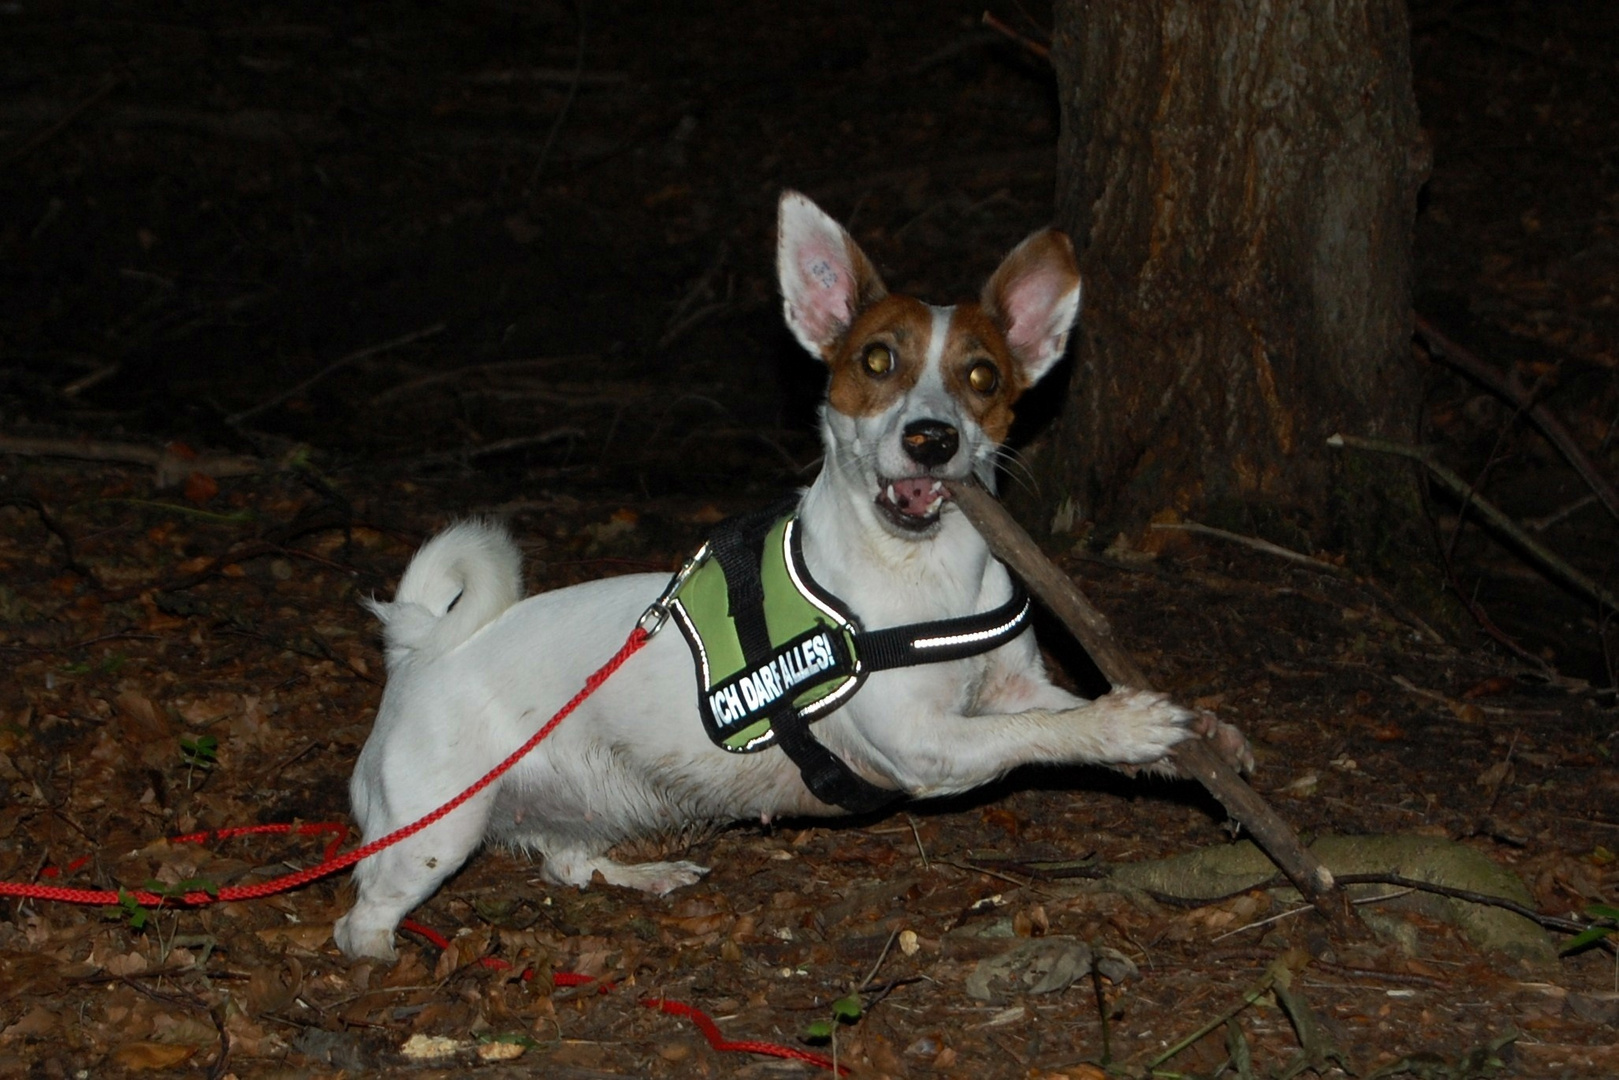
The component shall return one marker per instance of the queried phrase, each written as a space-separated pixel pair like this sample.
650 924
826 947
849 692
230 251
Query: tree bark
1241 179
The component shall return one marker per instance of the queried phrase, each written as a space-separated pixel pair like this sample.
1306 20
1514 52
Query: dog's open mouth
912 503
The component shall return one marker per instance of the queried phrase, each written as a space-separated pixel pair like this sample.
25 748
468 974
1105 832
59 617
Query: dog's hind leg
579 868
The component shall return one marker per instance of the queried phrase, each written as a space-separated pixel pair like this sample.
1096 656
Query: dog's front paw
1226 740
1143 725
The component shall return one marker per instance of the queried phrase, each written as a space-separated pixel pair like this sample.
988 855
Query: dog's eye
878 360
983 377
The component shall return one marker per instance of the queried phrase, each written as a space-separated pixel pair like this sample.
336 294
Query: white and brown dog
917 395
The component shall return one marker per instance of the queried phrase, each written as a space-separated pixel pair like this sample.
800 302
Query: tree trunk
1241 179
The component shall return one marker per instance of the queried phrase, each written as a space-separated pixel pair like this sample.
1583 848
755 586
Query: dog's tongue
914 495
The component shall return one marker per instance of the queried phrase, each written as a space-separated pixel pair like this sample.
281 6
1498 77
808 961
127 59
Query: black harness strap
944 639
738 545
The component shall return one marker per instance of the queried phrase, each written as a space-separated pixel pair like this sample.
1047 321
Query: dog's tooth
892 498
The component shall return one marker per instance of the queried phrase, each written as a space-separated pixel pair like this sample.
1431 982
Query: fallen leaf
1002 819
309 936
1042 966
146 1056
37 1023
271 989
1498 684
143 716
200 488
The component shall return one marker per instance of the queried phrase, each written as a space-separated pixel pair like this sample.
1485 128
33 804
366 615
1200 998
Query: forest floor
414 264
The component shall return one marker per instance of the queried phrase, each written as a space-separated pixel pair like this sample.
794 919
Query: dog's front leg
1020 720
1019 687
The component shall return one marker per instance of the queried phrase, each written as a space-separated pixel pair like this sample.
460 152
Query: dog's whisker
1017 470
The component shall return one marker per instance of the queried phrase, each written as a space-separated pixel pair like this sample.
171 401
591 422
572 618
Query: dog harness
775 651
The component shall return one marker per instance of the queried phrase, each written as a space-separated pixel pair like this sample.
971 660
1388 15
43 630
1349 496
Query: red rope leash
332 862
704 1022
711 1031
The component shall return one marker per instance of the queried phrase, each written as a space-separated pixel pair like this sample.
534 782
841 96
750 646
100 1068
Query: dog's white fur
472 673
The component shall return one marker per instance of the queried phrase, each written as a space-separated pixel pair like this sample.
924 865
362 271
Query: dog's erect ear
1034 298
826 280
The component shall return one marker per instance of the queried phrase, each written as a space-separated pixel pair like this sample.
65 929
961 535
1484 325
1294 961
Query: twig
872 974
972 868
567 102
1028 43
95 377
1489 511
1290 912
1541 524
54 527
1279 972
687 313
33 142
1550 922
551 76
1192 757
336 365
501 446
1450 703
498 366
1511 390
1257 544
171 467
916 834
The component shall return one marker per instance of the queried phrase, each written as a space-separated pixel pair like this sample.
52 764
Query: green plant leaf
847 1009
1584 939
130 910
818 1032
201 752
194 884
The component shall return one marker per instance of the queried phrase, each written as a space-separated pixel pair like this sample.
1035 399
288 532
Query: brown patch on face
975 339
903 325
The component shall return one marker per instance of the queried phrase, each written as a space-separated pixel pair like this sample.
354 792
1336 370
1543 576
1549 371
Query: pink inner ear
1029 306
825 288
1034 295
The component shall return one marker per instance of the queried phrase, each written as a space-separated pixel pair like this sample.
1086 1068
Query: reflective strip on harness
817 655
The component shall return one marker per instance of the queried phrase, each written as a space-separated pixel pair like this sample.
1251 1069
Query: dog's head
919 394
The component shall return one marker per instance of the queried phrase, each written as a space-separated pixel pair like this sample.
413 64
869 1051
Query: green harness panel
814 660
774 650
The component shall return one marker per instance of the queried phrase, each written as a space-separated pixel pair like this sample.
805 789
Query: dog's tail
458 582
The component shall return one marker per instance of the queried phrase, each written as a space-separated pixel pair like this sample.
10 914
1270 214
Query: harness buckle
653 618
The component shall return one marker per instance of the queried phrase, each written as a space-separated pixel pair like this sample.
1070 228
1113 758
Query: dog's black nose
931 442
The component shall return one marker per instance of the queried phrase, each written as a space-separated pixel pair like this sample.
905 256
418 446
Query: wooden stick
1013 546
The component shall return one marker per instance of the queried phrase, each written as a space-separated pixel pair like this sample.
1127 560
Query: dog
917 395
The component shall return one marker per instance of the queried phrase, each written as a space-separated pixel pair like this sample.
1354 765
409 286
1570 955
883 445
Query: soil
418 263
